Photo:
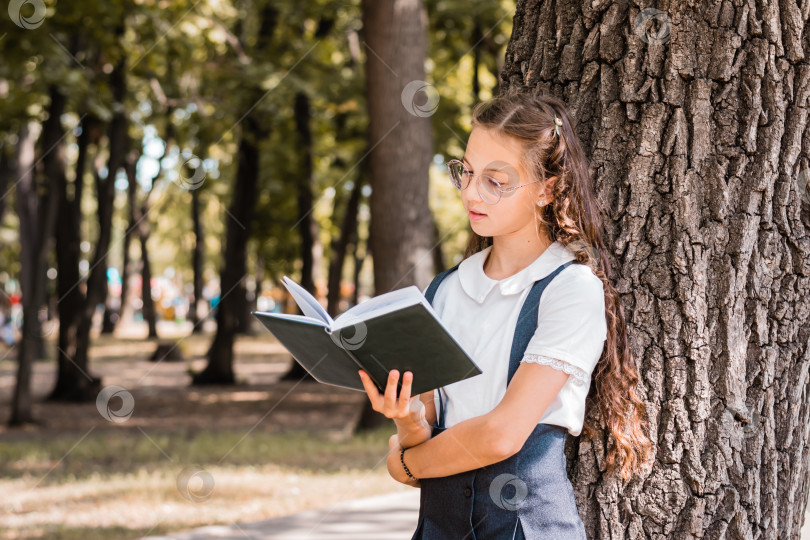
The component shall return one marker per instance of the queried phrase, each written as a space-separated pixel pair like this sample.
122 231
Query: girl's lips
475 216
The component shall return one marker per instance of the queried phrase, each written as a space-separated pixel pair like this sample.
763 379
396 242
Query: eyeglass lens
488 188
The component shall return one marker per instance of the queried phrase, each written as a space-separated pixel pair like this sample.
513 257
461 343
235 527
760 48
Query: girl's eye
492 183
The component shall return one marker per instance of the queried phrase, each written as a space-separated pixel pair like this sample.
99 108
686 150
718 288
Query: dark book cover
407 339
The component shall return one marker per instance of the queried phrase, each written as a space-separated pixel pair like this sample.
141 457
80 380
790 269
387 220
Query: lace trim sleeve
578 374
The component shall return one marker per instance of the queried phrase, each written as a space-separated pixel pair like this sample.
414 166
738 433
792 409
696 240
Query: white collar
478 285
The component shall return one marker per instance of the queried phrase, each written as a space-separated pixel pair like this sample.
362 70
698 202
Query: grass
127 483
119 450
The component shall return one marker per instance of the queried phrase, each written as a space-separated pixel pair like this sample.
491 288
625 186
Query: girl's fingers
388 403
405 393
391 390
371 390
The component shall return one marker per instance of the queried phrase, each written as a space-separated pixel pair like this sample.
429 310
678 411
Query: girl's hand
395 468
405 409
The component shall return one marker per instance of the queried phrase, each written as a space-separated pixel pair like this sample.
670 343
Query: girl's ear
548 188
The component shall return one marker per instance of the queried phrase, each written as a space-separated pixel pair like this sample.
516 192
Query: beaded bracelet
402 459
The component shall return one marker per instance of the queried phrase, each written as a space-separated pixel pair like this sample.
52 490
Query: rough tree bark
695 120
401 142
400 104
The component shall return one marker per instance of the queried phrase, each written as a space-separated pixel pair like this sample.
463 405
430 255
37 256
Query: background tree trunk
306 226
68 253
7 169
347 236
37 215
111 317
359 261
148 305
144 229
239 222
696 123
400 135
130 165
197 262
234 267
73 381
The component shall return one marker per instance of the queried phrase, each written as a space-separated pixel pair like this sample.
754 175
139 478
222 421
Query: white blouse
481 314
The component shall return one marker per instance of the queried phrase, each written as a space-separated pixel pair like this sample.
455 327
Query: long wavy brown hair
573 217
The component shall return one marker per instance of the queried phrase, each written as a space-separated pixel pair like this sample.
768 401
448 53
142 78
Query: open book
396 330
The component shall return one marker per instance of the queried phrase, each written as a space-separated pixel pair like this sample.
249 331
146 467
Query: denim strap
524 330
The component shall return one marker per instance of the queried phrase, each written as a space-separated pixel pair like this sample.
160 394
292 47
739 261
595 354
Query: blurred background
162 165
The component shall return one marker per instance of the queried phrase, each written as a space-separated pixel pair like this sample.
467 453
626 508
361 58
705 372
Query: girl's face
499 156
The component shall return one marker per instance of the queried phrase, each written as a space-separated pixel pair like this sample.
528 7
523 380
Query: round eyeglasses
489 188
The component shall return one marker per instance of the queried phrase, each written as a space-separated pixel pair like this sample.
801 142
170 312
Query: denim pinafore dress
527 495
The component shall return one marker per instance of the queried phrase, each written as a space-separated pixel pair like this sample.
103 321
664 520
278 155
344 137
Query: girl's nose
470 194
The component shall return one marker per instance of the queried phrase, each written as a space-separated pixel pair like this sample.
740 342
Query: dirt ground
164 399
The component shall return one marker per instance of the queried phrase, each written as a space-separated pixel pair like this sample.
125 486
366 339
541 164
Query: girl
533 304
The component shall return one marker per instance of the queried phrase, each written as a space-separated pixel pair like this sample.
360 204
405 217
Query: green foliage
194 70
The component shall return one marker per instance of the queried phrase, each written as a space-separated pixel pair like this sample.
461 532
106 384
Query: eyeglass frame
501 189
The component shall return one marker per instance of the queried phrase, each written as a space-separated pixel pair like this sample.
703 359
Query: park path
383 517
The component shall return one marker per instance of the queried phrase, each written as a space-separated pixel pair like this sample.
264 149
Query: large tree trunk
400 105
698 130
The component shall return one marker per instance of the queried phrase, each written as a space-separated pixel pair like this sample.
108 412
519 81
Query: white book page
308 303
384 303
293 317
